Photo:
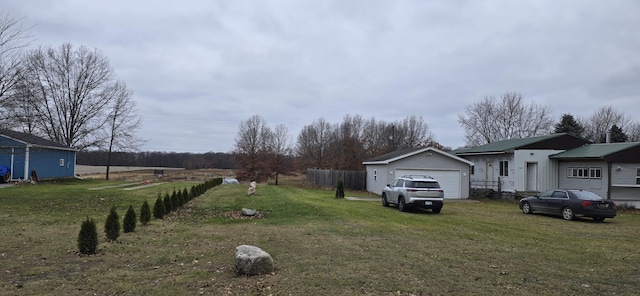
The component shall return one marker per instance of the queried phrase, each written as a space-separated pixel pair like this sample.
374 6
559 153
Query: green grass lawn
320 245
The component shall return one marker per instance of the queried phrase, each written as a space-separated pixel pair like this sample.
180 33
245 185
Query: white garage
449 180
452 172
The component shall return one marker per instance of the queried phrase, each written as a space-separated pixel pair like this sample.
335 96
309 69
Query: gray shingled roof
400 154
394 154
32 139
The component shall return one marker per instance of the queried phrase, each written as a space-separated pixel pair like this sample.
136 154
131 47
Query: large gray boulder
249 212
251 260
230 181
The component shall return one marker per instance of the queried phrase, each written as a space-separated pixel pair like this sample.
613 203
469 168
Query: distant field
94 169
133 173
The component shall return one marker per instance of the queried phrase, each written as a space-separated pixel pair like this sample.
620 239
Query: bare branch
492 120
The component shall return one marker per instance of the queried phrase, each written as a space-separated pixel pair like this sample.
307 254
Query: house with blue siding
29 157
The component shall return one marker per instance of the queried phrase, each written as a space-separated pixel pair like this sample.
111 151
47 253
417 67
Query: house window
473 170
375 175
61 161
504 168
637 175
584 173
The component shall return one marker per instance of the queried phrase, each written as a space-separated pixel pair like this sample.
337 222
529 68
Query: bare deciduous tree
633 131
377 138
71 91
313 143
492 119
13 39
123 122
345 146
413 132
600 122
281 160
252 149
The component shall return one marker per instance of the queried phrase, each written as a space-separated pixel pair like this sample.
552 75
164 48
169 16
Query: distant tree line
159 159
263 152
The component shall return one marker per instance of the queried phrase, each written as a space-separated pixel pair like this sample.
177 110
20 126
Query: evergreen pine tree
167 204
112 226
617 135
158 208
340 189
130 220
180 198
88 237
145 213
175 204
185 195
569 125
193 192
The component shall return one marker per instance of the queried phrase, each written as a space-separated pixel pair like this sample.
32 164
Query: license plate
603 206
427 203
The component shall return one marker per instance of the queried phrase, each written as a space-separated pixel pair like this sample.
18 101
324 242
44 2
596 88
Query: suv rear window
423 184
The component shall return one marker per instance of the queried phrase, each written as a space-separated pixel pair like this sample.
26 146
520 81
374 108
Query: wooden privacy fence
353 180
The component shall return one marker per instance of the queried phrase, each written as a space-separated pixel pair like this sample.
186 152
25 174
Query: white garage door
449 180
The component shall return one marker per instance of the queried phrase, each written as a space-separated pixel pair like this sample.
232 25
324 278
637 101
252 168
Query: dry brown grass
321 246
168 175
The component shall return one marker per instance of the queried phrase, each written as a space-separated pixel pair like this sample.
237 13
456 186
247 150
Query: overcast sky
198 68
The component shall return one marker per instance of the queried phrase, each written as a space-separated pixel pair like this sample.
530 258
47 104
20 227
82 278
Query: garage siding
451 171
449 180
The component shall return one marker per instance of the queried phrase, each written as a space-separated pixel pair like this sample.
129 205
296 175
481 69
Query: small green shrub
158 208
194 192
88 237
112 226
185 195
145 213
180 199
175 203
340 189
167 204
130 220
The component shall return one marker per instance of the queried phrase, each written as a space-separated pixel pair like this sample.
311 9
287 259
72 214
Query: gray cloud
197 68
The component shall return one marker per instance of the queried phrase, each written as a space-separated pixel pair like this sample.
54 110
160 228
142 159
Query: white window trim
584 172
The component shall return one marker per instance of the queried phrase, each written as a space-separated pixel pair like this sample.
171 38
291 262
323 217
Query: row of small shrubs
88 236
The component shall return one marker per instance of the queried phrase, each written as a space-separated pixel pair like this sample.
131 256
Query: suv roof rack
417 176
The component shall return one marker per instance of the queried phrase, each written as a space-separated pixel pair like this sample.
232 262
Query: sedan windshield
585 195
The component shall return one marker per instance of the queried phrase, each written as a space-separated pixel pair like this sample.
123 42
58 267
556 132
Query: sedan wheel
598 219
526 208
567 213
401 205
385 202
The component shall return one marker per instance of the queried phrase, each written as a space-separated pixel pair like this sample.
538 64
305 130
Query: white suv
414 191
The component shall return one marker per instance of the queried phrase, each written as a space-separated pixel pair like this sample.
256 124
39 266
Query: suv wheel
385 202
436 210
401 205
